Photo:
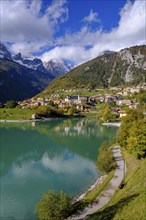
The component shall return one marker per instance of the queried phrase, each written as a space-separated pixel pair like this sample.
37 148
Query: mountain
22 78
35 64
56 67
106 52
113 69
18 82
4 53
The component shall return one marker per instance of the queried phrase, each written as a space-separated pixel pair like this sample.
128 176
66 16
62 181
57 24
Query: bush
56 112
54 206
11 104
42 110
105 161
70 112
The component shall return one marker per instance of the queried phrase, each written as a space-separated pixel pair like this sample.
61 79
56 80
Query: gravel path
110 189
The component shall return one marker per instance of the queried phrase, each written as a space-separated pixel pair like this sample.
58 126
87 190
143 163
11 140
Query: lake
59 154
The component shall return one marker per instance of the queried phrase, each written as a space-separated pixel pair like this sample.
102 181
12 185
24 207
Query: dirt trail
109 190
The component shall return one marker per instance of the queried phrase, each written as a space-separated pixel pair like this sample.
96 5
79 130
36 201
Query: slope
18 82
129 202
125 67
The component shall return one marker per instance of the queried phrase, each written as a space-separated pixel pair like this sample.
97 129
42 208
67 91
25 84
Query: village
119 98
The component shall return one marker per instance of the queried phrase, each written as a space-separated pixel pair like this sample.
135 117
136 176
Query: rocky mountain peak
58 67
106 52
18 57
4 52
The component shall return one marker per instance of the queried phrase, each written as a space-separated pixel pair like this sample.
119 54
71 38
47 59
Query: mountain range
126 67
22 78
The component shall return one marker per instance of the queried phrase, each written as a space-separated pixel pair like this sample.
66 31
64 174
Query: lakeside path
109 190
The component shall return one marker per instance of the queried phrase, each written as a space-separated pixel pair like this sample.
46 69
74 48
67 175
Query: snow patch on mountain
58 67
54 67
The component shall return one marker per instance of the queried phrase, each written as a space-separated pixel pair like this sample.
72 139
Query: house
122 113
76 99
80 107
126 102
133 105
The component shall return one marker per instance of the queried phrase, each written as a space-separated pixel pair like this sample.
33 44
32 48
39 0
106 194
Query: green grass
88 114
128 203
85 92
15 113
100 106
91 196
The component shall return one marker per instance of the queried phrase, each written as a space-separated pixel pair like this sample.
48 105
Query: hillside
114 69
22 77
129 202
18 82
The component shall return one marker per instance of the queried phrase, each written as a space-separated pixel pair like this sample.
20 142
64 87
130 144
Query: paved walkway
110 189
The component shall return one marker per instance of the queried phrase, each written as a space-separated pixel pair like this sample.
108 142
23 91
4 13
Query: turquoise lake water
58 154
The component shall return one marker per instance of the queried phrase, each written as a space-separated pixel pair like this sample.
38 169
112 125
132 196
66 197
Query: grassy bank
91 196
15 114
128 203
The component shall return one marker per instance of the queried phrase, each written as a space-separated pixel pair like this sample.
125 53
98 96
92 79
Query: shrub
105 161
56 112
11 104
70 112
54 206
41 110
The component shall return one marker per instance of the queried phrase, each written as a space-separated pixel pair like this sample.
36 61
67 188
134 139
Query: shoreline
36 120
109 190
113 124
19 120
99 180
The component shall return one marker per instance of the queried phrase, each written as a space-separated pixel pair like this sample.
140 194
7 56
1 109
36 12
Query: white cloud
57 11
29 30
130 31
27 48
76 54
23 23
92 17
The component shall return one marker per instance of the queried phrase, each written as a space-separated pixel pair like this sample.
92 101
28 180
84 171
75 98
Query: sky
73 30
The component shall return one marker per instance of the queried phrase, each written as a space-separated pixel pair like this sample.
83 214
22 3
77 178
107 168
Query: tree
70 111
142 97
131 134
107 113
54 206
41 110
105 161
136 141
11 104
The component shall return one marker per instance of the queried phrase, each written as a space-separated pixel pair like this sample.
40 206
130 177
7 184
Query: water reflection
57 154
74 127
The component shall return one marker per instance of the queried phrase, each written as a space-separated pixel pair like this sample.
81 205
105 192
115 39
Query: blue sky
107 10
76 30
